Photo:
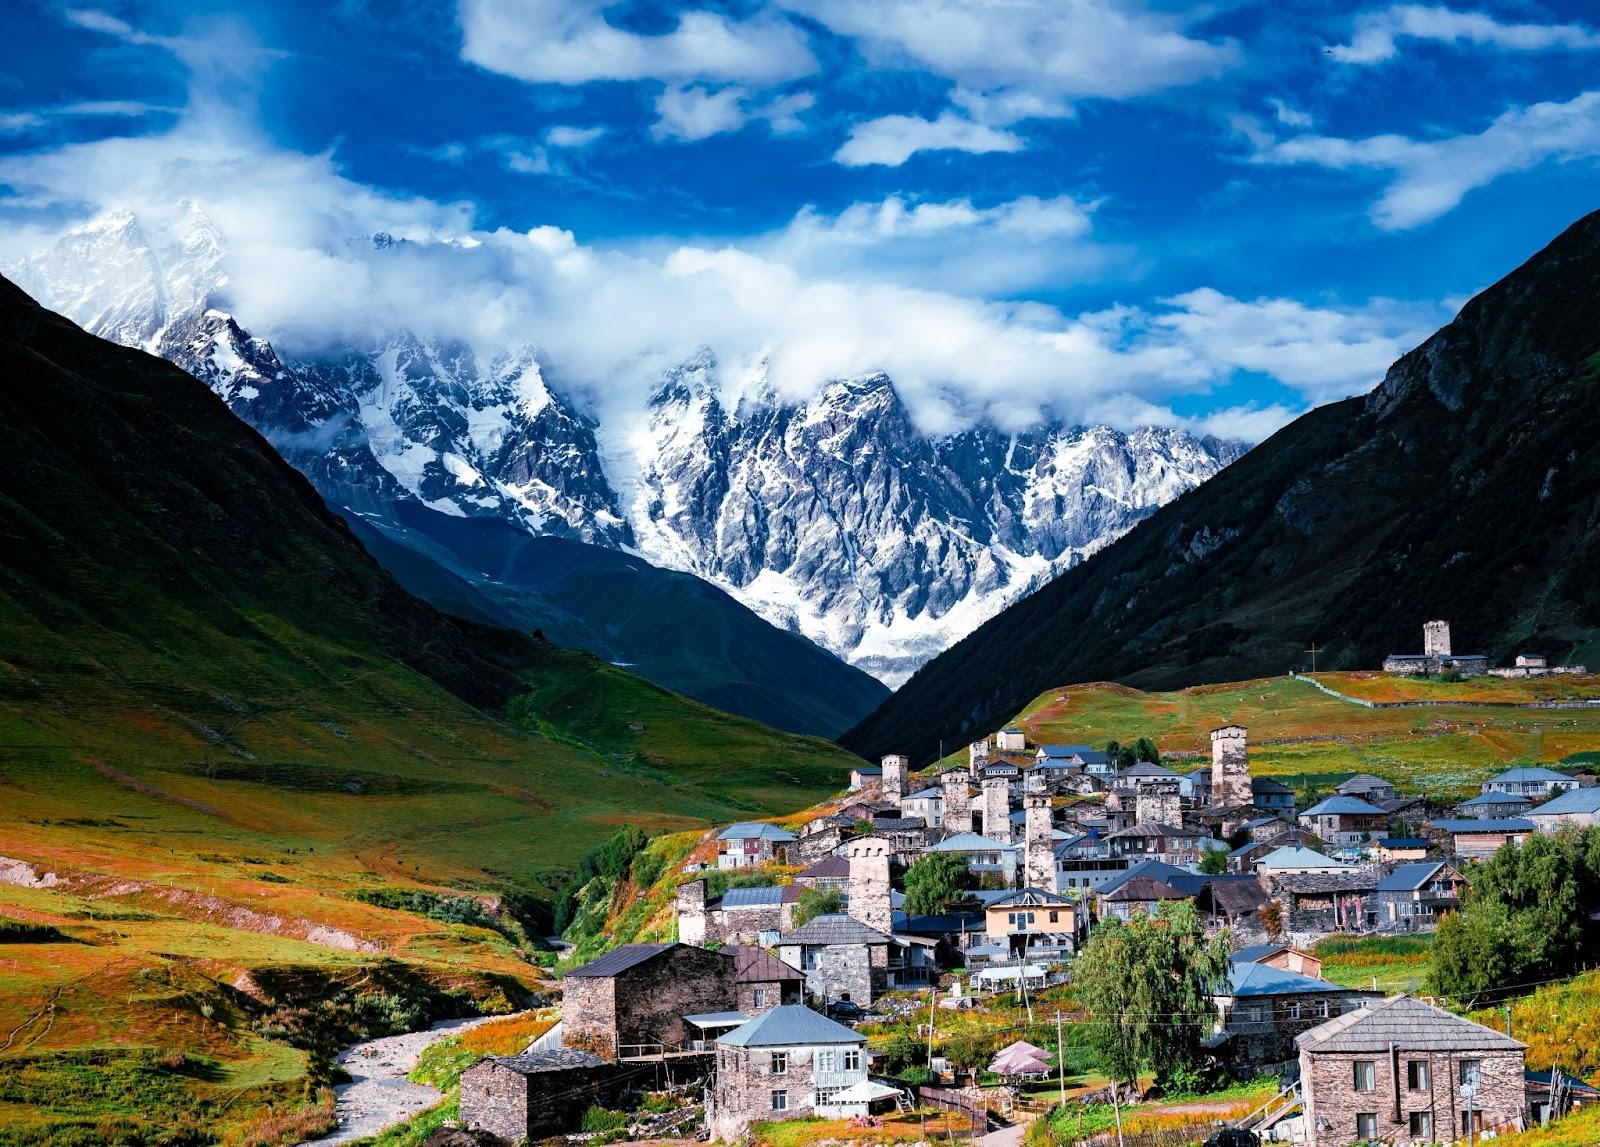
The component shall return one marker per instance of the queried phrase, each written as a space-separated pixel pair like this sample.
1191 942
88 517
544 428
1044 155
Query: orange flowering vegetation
1580 1129
892 1129
1560 1023
510 1035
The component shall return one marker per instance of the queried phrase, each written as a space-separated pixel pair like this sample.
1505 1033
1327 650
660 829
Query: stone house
1415 895
1436 656
984 857
789 1063
1399 849
752 842
1235 905
738 916
1577 807
1263 1008
1294 860
762 981
1404 1072
1340 821
1320 903
1536 783
1480 839
535 1095
1011 740
831 873
1494 806
1365 786
1270 796
632 1000
1032 921
1165 842
863 775
907 835
1197 786
841 958
1280 955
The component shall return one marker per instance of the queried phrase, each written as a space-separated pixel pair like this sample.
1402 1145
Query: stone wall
1332 1102
894 777
776 992
957 802
1270 1038
689 906
1159 803
589 1015
644 1005
1230 767
742 1091
997 810
869 882
1038 847
516 1107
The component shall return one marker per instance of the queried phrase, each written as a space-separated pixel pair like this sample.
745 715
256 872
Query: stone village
758 1006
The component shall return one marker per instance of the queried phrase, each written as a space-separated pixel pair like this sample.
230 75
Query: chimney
997 810
1038 847
957 802
690 907
869 882
894 777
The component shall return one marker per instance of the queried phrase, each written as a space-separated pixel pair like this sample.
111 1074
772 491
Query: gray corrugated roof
750 897
1486 824
1529 773
1246 978
756 830
1571 801
833 928
1028 897
1493 799
791 1025
1406 1023
618 960
1343 806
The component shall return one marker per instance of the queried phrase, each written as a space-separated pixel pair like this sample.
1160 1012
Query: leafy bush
814 902
599 1119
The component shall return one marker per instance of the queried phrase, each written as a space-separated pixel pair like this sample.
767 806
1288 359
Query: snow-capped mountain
836 517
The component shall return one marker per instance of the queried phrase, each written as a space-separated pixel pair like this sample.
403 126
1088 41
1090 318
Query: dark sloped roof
1236 898
1144 888
555 1059
834 928
1410 877
828 866
618 960
1356 880
1262 785
1028 897
754 965
1406 1023
1487 824
1343 806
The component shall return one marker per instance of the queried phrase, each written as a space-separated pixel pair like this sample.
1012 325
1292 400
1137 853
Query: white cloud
20 121
573 42
1376 33
1430 177
1030 57
891 140
1289 116
691 113
567 135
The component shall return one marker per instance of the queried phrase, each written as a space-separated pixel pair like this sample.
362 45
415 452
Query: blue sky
1214 214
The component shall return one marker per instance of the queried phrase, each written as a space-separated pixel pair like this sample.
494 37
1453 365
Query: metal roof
1410 877
791 1025
1297 856
1361 782
752 965
1268 785
1028 897
1146 769
618 960
969 842
751 897
1246 978
1155 869
756 830
1483 799
1343 806
1486 824
1142 888
1528 773
537 1062
833 928
1407 1024
1571 801
828 866
1402 842
717 1019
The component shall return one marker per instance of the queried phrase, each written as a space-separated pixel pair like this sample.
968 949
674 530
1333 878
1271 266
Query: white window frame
1366 1125
779 1064
780 1100
852 1059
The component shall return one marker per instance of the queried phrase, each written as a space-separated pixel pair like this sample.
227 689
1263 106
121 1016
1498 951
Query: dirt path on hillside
378 1094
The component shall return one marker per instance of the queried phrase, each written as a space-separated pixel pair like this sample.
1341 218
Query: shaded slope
1463 487
671 628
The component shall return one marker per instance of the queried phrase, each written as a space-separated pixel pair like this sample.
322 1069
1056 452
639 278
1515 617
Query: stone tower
1159 802
997 810
977 756
869 882
1038 847
957 801
894 777
1436 639
1230 767
690 908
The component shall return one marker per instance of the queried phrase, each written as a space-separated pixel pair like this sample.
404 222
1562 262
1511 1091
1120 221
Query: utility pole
1313 652
933 990
1061 1060
1508 1018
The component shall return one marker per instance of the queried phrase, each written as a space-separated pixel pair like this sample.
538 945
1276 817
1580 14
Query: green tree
814 902
934 881
1147 985
1214 862
1145 750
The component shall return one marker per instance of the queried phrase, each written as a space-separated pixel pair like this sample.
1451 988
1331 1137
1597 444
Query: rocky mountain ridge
835 518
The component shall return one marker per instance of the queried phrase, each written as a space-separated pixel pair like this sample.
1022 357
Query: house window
825 1095
1422 1125
1417 1074
1366 1075
808 959
1366 1125
1294 1009
825 1061
1472 1123
1322 1009
780 1101
1055 916
852 1059
761 997
1470 1072
780 1063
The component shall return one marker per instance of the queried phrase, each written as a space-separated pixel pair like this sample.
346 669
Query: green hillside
1463 487
233 749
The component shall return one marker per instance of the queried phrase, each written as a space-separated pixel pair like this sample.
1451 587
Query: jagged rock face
836 518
